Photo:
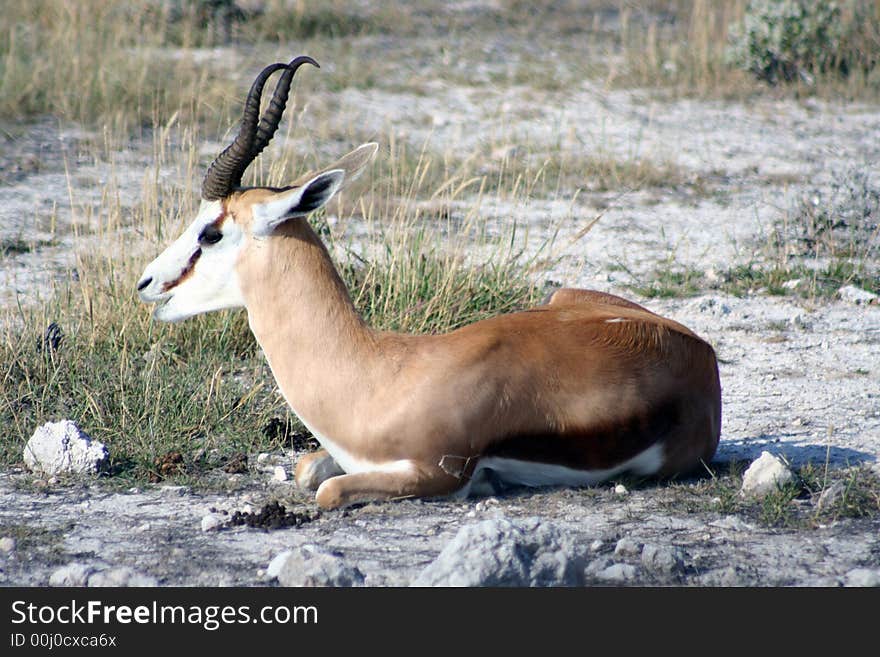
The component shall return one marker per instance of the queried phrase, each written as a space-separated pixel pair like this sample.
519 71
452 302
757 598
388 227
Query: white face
196 273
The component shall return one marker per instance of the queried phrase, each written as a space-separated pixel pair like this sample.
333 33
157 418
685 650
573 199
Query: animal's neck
320 350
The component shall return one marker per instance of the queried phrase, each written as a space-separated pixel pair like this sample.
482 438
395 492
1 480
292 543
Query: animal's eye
210 235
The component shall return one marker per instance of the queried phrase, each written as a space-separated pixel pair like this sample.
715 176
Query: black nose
144 283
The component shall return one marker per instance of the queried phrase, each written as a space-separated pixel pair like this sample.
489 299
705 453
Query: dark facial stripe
190 266
186 273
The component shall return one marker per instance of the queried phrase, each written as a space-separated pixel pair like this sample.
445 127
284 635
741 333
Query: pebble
73 574
856 295
830 496
618 572
620 489
275 566
212 522
7 544
279 474
663 559
627 547
311 566
862 577
121 576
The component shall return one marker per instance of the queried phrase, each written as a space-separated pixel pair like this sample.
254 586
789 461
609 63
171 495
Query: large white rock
62 447
502 552
766 474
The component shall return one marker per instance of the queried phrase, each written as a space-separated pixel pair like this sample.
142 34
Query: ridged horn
272 116
254 134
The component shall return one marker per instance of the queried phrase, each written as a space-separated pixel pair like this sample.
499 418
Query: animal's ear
296 202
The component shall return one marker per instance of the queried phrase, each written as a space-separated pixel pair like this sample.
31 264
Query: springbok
572 392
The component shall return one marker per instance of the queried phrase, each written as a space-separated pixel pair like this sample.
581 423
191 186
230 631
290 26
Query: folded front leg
409 481
315 468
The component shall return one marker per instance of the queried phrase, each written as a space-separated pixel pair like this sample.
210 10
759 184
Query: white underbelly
531 473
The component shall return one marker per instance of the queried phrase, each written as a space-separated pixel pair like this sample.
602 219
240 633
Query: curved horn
272 117
226 170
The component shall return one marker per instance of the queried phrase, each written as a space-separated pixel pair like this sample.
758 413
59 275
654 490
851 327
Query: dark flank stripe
595 448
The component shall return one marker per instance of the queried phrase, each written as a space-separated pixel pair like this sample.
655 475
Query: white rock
627 547
212 522
275 566
73 574
620 489
121 576
863 577
791 284
830 496
311 566
262 457
618 572
7 544
663 559
596 545
62 447
502 552
856 295
279 474
766 474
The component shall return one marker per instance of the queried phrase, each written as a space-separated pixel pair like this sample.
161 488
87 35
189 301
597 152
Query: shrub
787 40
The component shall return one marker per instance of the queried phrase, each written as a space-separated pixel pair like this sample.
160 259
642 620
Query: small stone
73 574
311 566
713 306
856 295
791 284
121 576
212 522
620 489
733 523
618 572
627 547
596 545
596 566
862 577
7 544
766 474
830 496
262 457
277 563
663 559
279 474
174 491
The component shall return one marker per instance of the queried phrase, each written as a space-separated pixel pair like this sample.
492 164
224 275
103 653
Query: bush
787 40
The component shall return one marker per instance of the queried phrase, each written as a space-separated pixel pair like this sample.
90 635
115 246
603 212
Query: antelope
572 392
